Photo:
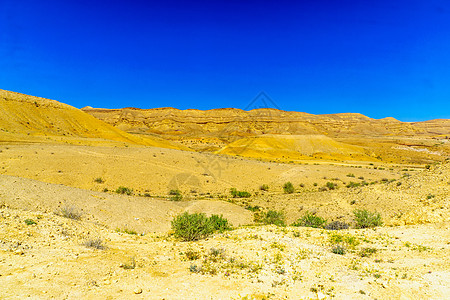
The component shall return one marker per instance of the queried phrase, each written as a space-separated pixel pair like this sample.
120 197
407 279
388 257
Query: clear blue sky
378 58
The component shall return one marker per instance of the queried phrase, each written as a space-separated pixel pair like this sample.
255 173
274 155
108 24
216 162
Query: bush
264 187
99 180
126 230
331 185
353 184
176 195
69 212
253 208
338 250
95 243
124 190
366 252
336 225
310 220
30 222
288 188
193 227
271 217
366 219
239 194
219 223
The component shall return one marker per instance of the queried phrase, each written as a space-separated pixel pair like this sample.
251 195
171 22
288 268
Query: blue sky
386 58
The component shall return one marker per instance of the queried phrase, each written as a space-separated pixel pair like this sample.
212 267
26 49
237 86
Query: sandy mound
294 147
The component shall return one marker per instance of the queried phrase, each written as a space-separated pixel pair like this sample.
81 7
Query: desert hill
294 147
26 118
387 139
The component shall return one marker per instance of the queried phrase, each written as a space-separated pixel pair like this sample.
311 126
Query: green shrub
239 194
350 175
175 195
99 180
193 227
366 219
288 188
219 223
336 225
264 187
126 230
331 185
271 217
253 208
353 184
30 222
124 190
310 220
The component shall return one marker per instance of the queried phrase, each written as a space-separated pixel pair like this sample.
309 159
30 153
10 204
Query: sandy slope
26 118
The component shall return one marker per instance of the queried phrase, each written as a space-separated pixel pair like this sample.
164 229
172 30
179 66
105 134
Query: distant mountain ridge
261 121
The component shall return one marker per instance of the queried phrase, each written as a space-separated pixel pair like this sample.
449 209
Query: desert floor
137 257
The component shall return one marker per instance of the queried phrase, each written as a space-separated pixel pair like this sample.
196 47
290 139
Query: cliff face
224 122
271 133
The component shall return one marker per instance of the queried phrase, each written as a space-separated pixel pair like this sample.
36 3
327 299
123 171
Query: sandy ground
48 260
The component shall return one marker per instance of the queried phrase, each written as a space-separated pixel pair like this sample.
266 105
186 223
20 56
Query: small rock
138 291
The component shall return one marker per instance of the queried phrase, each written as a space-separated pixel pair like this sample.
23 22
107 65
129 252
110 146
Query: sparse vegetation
95 243
366 252
99 180
331 185
175 195
130 265
30 222
126 230
264 187
352 184
124 190
366 219
347 239
239 194
271 217
336 225
253 208
69 212
338 250
192 254
310 220
288 188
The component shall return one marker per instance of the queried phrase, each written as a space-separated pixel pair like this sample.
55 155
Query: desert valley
220 204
